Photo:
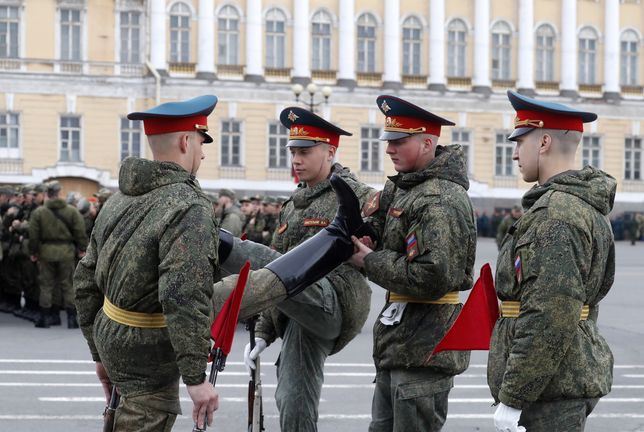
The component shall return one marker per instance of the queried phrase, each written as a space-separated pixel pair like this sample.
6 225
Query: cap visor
519 132
392 136
207 138
302 143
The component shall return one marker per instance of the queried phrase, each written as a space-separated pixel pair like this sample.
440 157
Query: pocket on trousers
417 389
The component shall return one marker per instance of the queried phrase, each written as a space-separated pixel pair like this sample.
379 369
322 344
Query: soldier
425 256
507 222
230 217
56 237
548 365
323 319
101 196
246 209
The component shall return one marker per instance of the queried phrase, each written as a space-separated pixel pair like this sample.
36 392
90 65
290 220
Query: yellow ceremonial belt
133 319
449 298
510 309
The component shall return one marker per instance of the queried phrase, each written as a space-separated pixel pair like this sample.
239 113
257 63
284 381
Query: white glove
506 419
251 356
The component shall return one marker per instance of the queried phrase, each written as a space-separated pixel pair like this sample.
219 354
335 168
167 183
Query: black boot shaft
44 320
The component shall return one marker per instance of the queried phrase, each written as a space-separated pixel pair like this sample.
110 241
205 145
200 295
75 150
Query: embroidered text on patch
316 222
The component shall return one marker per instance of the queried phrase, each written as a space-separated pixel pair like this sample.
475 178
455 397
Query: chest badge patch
282 228
517 269
395 212
412 246
316 222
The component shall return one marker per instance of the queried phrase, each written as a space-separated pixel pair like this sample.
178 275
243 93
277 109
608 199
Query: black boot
44 320
54 318
316 257
72 323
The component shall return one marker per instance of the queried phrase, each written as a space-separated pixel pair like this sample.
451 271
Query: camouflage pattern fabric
428 243
557 416
560 257
153 250
56 277
503 229
149 412
232 220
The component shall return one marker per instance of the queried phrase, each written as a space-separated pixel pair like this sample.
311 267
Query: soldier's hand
205 402
251 355
106 383
506 419
360 252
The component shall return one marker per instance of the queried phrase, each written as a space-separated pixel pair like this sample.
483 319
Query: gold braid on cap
303 134
528 123
392 125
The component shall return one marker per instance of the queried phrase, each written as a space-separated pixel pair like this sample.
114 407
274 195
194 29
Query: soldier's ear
183 143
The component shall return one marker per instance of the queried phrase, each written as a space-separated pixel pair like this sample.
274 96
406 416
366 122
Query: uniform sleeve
233 224
439 241
34 234
265 327
79 232
188 260
551 301
88 297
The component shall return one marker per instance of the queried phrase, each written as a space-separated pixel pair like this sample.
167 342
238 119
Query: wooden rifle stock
110 411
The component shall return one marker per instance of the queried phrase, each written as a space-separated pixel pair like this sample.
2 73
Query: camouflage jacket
232 220
308 211
53 239
503 229
255 226
427 248
153 250
558 257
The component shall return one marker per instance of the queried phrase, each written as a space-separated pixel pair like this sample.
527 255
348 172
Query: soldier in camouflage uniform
230 217
56 237
548 365
505 225
424 257
323 319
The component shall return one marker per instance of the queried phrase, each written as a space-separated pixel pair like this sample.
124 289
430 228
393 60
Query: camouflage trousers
54 277
314 324
148 412
557 416
409 400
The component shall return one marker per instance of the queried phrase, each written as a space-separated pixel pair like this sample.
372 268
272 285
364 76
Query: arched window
275 39
587 56
180 33
412 32
367 43
321 41
228 36
501 51
545 53
456 48
630 47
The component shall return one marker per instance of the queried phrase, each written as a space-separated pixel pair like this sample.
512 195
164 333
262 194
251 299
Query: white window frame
633 158
6 53
277 144
228 36
501 51
275 34
544 45
227 139
502 143
180 35
588 42
593 153
467 145
373 150
321 33
134 128
412 45
366 45
10 151
61 141
457 48
629 58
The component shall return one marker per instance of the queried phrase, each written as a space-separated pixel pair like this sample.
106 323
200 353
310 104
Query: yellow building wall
40 29
39 127
100 31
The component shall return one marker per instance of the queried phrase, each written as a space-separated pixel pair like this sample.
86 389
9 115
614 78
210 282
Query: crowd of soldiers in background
253 216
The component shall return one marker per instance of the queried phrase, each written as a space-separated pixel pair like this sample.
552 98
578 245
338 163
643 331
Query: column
481 77
437 45
254 52
391 54
301 42
611 50
158 35
525 83
568 86
347 41
206 44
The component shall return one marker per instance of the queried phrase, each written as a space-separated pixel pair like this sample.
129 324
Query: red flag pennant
222 330
473 327
243 237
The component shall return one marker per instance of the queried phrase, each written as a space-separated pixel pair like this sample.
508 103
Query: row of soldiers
42 236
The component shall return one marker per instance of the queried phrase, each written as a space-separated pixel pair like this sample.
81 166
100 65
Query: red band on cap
411 125
547 120
312 133
162 125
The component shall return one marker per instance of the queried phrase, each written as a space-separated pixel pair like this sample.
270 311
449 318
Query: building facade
70 70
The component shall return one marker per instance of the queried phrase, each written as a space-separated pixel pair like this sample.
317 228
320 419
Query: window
629 58
70 34
412 33
130 138
545 53
277 151
9 135
366 43
456 46
321 41
462 138
70 139
9 29
501 50
275 39
370 149
180 33
591 151
633 158
228 36
503 155
130 37
587 55
230 143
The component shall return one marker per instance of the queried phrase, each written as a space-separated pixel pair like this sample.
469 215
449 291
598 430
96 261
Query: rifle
218 365
110 411
255 407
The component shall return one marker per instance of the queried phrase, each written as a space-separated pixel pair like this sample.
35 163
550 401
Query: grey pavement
47 380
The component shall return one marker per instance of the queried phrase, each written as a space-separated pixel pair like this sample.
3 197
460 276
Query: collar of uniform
304 196
447 164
